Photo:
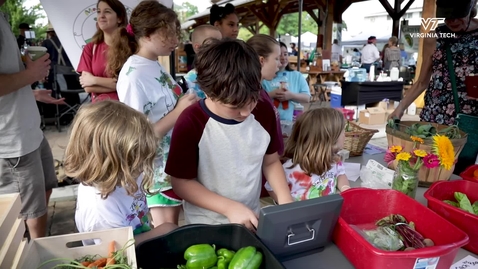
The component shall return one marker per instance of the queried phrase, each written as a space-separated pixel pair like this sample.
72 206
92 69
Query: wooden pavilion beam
396 12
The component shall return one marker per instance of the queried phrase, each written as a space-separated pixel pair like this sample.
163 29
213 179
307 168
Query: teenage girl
225 19
269 51
146 86
94 77
111 144
297 88
313 168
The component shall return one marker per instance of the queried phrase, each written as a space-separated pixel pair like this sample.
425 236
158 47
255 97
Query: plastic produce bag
383 238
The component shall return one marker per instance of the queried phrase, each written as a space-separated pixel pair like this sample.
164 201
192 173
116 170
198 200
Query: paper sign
380 172
75 22
430 263
352 171
469 262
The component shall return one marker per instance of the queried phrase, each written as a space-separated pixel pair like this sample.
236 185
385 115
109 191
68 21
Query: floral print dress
439 101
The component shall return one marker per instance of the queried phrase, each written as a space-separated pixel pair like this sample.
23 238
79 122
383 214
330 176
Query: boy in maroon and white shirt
221 145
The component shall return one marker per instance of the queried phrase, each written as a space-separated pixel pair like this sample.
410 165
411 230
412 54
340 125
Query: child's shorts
164 199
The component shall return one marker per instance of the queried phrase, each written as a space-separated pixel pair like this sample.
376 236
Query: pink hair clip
129 30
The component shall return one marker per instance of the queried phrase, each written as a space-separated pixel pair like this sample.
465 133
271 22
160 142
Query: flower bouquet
409 163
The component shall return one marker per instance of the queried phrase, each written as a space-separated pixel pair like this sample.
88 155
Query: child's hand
241 214
185 101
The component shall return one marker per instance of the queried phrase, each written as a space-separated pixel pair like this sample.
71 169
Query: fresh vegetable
246 258
409 236
425 131
462 202
384 238
201 256
226 253
115 260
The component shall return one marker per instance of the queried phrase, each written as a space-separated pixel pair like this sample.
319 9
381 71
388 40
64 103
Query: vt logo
430 24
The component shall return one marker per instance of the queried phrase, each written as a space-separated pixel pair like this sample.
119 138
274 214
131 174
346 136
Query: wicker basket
356 138
426 176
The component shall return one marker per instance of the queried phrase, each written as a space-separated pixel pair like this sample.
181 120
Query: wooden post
328 28
428 11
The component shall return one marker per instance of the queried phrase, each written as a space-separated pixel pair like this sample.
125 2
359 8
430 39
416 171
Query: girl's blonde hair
110 145
311 144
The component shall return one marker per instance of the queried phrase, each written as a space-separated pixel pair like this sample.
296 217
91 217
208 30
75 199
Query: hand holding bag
466 123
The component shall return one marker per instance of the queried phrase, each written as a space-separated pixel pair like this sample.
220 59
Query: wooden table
318 90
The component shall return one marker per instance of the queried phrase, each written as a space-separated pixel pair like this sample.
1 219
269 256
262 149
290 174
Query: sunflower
403 156
443 148
396 149
420 153
417 139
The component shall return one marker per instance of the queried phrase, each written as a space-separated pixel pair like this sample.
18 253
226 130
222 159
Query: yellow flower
420 153
396 149
403 156
417 139
443 148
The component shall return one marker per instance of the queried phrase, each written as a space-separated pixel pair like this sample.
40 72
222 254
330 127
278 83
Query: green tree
185 10
289 24
17 14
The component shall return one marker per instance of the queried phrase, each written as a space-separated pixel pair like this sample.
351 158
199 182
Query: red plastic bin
468 173
365 206
467 222
348 114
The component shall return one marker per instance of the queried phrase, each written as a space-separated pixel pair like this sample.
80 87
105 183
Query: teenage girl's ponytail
124 45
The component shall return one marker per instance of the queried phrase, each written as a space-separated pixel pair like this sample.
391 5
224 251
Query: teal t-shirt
191 78
296 84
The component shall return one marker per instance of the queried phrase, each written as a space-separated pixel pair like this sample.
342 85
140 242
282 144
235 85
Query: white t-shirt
117 210
370 54
144 85
304 187
20 131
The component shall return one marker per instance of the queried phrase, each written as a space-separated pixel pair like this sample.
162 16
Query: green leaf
464 202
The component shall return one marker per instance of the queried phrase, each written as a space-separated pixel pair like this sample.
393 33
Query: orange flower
396 149
417 139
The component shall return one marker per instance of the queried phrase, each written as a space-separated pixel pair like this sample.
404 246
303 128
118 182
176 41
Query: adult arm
376 54
303 95
98 89
36 70
421 84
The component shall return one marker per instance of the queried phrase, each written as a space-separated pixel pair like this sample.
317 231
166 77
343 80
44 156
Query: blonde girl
146 86
110 146
313 168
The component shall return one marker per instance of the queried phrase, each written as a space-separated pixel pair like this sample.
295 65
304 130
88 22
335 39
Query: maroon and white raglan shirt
224 155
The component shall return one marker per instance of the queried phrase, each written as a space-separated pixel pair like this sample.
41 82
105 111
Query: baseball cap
454 9
24 25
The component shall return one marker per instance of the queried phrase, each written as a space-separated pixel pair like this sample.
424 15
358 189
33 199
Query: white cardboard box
44 249
10 206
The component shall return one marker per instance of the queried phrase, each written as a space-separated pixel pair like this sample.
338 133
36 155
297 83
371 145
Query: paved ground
61 211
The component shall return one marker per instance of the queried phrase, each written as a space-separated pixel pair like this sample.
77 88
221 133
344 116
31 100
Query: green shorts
164 199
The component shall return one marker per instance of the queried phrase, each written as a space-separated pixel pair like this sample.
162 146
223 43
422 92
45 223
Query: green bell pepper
201 256
222 263
226 253
246 258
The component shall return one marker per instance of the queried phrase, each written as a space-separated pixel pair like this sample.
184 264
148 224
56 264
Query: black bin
167 251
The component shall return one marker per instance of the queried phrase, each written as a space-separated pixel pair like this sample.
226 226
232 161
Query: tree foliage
185 10
17 14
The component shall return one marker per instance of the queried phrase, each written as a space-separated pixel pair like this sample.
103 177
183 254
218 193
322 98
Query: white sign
469 262
75 22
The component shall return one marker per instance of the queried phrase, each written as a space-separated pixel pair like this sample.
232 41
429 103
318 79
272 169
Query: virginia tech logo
430 24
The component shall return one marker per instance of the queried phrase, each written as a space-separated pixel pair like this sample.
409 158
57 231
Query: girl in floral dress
313 168
146 86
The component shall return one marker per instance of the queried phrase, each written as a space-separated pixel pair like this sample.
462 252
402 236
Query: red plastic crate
468 173
467 222
348 114
364 206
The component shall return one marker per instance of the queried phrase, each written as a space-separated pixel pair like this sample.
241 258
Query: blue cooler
336 97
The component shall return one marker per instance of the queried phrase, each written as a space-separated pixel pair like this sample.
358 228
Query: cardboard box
373 116
12 229
40 250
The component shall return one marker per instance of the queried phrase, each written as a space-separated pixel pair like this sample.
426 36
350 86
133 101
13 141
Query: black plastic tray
167 251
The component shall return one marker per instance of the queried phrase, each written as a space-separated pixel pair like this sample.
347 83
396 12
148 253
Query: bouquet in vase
409 162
